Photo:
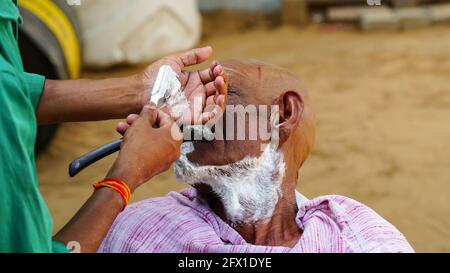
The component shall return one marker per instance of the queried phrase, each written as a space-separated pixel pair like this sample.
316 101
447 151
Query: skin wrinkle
297 132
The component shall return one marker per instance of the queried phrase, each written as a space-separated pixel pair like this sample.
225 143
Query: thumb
150 113
164 119
194 56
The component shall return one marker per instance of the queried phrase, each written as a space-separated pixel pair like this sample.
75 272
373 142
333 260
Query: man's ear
291 107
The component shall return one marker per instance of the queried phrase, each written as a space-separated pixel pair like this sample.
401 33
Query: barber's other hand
150 145
208 85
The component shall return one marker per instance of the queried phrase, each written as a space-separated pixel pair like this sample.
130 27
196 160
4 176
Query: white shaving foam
200 132
167 90
249 189
186 148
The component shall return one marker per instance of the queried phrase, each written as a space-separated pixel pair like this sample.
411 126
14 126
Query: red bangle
118 185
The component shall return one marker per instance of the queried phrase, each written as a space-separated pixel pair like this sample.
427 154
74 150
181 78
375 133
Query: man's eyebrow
232 90
233 95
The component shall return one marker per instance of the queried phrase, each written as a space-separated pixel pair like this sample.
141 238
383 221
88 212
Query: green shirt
25 222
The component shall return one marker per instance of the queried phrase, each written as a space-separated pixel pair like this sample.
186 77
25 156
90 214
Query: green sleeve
35 84
58 247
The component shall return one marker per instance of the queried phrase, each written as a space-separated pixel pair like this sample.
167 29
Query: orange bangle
118 185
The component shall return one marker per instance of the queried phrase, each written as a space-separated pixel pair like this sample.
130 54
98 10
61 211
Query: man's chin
180 170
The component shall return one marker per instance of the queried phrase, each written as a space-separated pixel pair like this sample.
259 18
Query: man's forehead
251 71
256 82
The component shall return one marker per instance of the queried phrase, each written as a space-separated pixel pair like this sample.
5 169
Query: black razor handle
93 156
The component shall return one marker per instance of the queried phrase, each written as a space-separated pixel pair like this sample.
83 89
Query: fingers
216 89
210 74
220 85
217 86
207 116
207 75
131 118
211 114
122 126
164 119
194 56
196 106
150 113
210 89
220 101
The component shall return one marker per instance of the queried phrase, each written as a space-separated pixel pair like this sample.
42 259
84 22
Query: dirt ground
383 112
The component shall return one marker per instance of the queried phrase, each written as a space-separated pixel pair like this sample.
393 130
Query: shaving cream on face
200 132
249 189
186 148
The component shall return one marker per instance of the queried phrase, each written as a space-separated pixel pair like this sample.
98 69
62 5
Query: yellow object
118 185
61 27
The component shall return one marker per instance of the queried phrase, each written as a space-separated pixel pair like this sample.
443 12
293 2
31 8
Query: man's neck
280 230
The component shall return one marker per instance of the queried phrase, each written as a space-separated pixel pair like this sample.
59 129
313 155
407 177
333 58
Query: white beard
249 189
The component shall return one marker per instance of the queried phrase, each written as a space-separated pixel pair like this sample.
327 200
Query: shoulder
144 225
362 229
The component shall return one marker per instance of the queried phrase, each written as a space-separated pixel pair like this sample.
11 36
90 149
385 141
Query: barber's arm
150 146
89 100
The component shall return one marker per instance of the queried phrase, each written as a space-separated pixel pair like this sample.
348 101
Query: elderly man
243 196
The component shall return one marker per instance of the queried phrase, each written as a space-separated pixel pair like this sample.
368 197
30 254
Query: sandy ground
383 108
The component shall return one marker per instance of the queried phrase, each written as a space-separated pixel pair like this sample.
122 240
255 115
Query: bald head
255 82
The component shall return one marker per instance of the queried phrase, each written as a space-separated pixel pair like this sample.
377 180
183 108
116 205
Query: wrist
134 93
110 195
127 173
144 89
132 182
117 185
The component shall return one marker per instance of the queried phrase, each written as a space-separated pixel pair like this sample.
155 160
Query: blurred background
377 71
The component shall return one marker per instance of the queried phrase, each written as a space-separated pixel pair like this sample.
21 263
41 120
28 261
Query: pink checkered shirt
181 222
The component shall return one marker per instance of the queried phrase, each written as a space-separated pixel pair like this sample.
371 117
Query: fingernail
151 105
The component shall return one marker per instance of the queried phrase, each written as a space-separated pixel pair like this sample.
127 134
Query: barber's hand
150 146
209 85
